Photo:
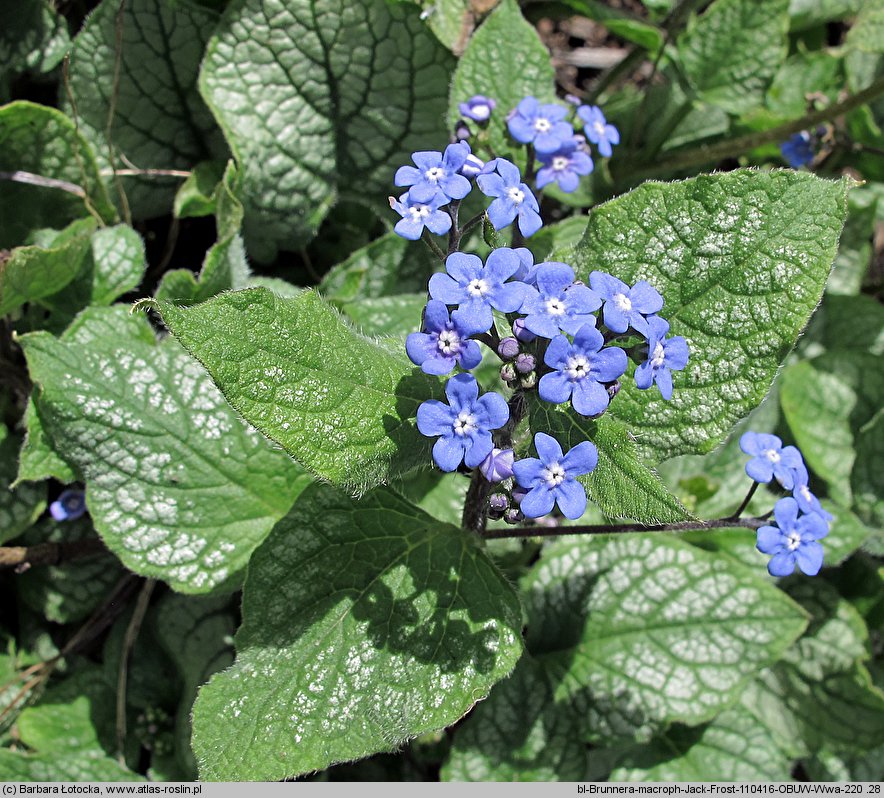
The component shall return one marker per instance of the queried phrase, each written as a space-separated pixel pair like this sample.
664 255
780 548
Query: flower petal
548 448
589 397
434 418
462 391
571 498
494 409
538 501
781 564
554 277
582 459
445 289
809 557
769 540
479 446
555 387
448 452
527 471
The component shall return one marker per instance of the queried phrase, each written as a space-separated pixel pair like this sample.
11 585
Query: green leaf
387 266
855 247
34 39
826 402
867 33
802 74
343 662
865 479
196 195
70 767
518 734
732 51
557 241
505 59
642 631
159 120
38 459
741 260
197 633
810 13
820 695
21 506
621 23
67 592
733 747
343 406
850 322
347 91
621 485
451 20
118 253
393 316
44 142
33 272
177 486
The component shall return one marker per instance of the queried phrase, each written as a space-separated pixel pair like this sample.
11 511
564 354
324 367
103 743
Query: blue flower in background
663 355
597 129
557 303
69 506
443 344
626 307
552 479
463 424
498 466
565 166
771 459
512 197
579 369
542 125
807 502
419 208
476 288
797 150
793 541
438 171
478 108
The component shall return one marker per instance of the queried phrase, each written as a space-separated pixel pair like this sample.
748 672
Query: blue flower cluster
801 521
558 345
438 181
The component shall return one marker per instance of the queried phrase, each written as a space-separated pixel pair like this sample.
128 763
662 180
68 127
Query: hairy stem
745 502
24 557
427 238
605 529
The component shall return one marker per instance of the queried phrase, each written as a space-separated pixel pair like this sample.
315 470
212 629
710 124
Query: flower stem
454 233
428 240
475 510
746 501
605 529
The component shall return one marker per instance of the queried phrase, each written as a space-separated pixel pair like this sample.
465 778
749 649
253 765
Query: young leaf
640 632
621 485
33 39
348 89
505 60
741 260
340 404
732 51
20 507
335 663
159 119
118 253
178 487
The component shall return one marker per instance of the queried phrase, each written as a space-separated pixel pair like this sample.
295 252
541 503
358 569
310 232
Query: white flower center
559 163
659 356
434 174
465 423
773 455
623 302
542 124
419 212
576 367
553 475
599 128
516 195
481 111
478 287
793 541
449 342
555 307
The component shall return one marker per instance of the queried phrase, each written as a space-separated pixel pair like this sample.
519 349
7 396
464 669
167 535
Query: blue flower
69 506
419 208
443 344
579 369
557 303
463 424
663 354
541 125
807 502
625 306
472 166
797 151
597 129
513 197
438 171
564 166
793 541
553 478
498 466
477 288
478 108
770 459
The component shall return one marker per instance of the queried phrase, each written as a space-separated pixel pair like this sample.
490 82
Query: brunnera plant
507 466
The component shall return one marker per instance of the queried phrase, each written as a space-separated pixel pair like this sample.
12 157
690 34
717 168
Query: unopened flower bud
525 363
497 503
513 515
69 506
522 333
529 380
498 466
508 373
508 348
462 130
614 388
